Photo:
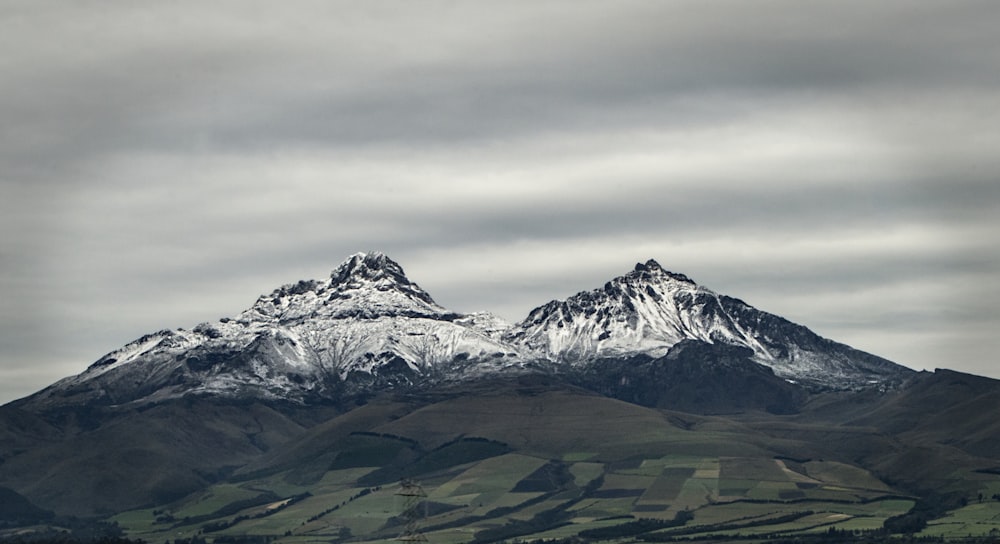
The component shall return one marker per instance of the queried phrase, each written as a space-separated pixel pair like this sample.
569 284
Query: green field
979 519
473 485
727 495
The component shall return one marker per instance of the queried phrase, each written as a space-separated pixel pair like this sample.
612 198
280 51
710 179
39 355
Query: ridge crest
373 265
651 268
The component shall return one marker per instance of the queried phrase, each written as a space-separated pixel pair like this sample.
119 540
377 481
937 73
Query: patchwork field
643 475
980 519
515 494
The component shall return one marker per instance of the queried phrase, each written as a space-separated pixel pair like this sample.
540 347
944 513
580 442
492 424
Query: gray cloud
163 165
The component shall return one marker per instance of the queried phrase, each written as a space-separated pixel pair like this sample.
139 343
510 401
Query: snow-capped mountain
646 311
650 310
365 326
368 327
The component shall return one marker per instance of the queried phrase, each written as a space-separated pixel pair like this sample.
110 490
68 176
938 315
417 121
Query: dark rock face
695 377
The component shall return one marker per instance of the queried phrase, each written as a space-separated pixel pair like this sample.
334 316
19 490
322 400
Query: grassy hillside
145 457
531 461
528 458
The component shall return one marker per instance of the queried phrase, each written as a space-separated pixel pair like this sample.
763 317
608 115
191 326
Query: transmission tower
414 510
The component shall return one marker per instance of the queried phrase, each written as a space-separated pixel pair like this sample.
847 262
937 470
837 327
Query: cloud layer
163 165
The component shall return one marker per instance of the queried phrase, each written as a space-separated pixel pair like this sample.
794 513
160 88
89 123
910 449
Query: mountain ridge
367 327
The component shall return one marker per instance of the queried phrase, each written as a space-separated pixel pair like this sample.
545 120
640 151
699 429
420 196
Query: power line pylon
414 510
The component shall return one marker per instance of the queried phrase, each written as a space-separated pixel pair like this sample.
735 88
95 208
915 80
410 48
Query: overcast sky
164 163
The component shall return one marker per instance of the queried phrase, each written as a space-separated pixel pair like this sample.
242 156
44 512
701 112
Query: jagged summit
651 269
365 326
646 310
373 266
365 286
375 270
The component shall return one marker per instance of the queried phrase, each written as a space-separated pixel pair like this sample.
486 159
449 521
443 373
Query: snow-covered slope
367 327
646 311
649 310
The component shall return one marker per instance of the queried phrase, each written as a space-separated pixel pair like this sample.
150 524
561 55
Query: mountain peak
652 269
643 311
375 272
366 285
648 265
372 266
